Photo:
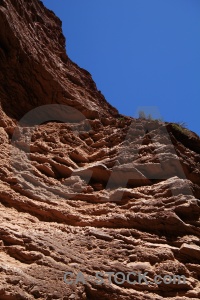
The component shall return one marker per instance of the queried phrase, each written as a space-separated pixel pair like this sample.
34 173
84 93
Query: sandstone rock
93 192
190 251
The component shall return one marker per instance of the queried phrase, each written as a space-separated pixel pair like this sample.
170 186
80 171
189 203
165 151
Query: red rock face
83 189
35 69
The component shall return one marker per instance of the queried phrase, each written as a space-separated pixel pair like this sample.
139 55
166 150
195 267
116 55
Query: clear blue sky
141 53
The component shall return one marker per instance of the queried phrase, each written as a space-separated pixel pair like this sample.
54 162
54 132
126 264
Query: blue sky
142 54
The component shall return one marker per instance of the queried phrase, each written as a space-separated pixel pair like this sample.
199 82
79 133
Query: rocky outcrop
34 68
83 189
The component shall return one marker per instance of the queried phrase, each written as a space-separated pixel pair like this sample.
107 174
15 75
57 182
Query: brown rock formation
83 189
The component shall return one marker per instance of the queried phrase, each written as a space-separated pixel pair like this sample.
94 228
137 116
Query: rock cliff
84 189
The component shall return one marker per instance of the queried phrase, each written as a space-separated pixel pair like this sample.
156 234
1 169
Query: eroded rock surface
93 190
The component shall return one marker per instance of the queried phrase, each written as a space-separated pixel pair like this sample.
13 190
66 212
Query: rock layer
86 189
